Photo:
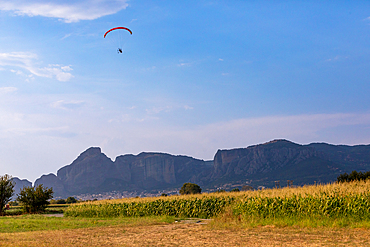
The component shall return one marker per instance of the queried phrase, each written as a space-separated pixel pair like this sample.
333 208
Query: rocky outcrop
94 172
87 172
282 160
52 181
262 158
19 184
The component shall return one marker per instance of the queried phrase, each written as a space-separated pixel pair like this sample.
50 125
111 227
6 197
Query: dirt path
179 234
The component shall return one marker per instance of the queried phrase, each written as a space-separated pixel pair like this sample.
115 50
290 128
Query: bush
71 200
353 176
35 199
60 201
189 188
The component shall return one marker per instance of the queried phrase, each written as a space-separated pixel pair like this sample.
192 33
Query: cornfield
331 200
190 207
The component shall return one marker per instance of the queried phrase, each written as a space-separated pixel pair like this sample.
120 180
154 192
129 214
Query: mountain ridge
257 165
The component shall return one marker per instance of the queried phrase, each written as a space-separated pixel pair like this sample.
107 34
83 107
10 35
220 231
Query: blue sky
195 76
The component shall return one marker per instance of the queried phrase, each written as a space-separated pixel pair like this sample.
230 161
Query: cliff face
282 160
19 184
87 172
263 158
52 181
94 172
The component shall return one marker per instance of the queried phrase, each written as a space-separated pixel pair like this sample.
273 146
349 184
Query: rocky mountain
279 160
257 165
94 172
19 184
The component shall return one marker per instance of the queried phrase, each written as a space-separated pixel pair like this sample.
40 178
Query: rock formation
19 184
263 164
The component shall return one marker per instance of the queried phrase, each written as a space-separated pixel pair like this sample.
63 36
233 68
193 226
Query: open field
320 215
179 234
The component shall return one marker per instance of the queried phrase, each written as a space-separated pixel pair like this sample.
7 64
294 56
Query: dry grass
179 234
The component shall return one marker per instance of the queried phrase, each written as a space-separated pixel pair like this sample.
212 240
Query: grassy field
147 231
320 215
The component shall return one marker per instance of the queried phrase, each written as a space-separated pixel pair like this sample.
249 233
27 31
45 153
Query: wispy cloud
337 58
29 61
67 11
168 108
4 90
68 105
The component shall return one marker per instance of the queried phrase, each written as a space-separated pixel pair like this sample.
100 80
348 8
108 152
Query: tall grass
178 207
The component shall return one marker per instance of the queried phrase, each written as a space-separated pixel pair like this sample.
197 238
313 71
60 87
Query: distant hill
258 165
18 185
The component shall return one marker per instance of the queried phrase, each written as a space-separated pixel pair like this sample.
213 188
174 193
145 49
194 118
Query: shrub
189 188
71 200
60 201
35 199
353 176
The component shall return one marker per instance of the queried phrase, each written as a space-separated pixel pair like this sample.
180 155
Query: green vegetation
331 205
35 199
189 188
170 206
338 204
6 191
26 223
353 176
69 200
321 209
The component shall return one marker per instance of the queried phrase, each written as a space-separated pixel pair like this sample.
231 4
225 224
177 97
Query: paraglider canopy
118 35
116 28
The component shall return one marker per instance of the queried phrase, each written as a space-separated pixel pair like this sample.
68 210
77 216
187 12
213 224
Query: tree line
353 176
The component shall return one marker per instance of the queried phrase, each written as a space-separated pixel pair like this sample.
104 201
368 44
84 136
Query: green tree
60 201
35 199
6 191
189 188
71 200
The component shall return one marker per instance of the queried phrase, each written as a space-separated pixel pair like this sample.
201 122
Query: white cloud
4 90
184 64
168 108
68 105
67 11
186 107
28 61
66 68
